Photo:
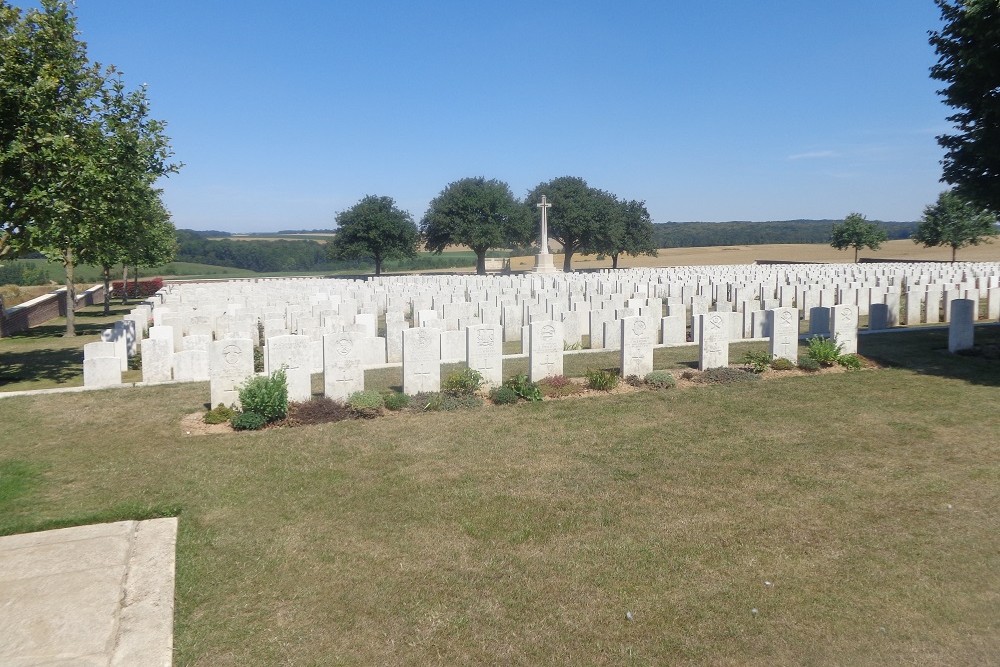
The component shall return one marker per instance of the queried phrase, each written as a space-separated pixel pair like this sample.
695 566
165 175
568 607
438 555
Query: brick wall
44 308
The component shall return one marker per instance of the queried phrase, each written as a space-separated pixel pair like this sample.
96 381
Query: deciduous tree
374 228
968 48
629 231
955 221
857 232
575 216
481 214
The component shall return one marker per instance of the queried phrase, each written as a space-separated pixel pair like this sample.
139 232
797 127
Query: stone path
90 595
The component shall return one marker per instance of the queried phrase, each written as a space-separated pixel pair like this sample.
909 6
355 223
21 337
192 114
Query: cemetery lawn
41 358
858 514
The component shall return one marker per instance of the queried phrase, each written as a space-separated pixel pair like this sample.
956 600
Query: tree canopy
78 153
857 232
968 48
628 231
374 228
577 214
955 221
481 214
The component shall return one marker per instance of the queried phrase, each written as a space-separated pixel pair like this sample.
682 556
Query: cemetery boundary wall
44 308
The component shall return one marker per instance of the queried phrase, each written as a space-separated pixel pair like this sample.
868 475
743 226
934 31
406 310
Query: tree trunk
855 255
480 262
124 284
107 290
135 281
70 293
954 253
614 261
568 259
378 266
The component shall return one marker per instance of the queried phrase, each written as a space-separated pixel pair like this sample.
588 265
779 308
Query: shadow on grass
926 352
52 365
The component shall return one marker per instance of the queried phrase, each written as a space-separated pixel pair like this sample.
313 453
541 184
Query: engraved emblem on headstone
715 322
231 353
786 317
423 339
639 327
485 337
344 346
548 331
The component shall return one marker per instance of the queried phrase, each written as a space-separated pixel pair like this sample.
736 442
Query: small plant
851 362
428 401
572 346
808 364
558 386
503 396
463 382
756 362
633 380
135 362
524 387
688 375
320 410
824 350
258 360
365 404
602 379
451 402
660 380
248 421
395 400
220 414
782 364
267 396
727 375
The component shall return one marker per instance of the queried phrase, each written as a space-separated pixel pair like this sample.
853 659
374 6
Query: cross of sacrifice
544 236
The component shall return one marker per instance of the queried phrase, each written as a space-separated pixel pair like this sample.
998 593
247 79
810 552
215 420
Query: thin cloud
813 155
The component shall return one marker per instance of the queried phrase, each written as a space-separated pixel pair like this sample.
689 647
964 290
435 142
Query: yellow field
904 250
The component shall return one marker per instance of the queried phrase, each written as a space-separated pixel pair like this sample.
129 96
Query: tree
135 153
576 214
374 228
47 137
629 231
856 232
479 213
955 221
969 64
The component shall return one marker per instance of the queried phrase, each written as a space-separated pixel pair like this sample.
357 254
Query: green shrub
220 414
782 364
524 387
503 396
727 375
248 421
660 380
258 360
824 350
572 346
602 379
462 382
851 362
808 364
756 362
135 362
267 396
428 401
395 400
365 404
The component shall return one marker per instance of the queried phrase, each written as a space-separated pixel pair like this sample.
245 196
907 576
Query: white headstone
485 352
292 353
230 364
713 340
784 341
342 371
545 350
961 328
421 360
637 346
157 357
844 327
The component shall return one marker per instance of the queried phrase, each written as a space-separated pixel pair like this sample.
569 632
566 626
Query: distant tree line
696 234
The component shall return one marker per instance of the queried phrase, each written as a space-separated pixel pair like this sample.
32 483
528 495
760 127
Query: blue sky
286 113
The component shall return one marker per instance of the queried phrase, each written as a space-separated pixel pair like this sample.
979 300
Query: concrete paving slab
90 595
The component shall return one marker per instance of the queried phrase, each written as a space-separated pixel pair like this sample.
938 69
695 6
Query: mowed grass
857 513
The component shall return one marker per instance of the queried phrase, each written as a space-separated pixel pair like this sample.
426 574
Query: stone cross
544 236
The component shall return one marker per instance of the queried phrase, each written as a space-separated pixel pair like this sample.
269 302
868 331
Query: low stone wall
44 308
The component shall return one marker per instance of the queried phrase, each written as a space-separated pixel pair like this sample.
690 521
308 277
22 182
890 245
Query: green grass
856 512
